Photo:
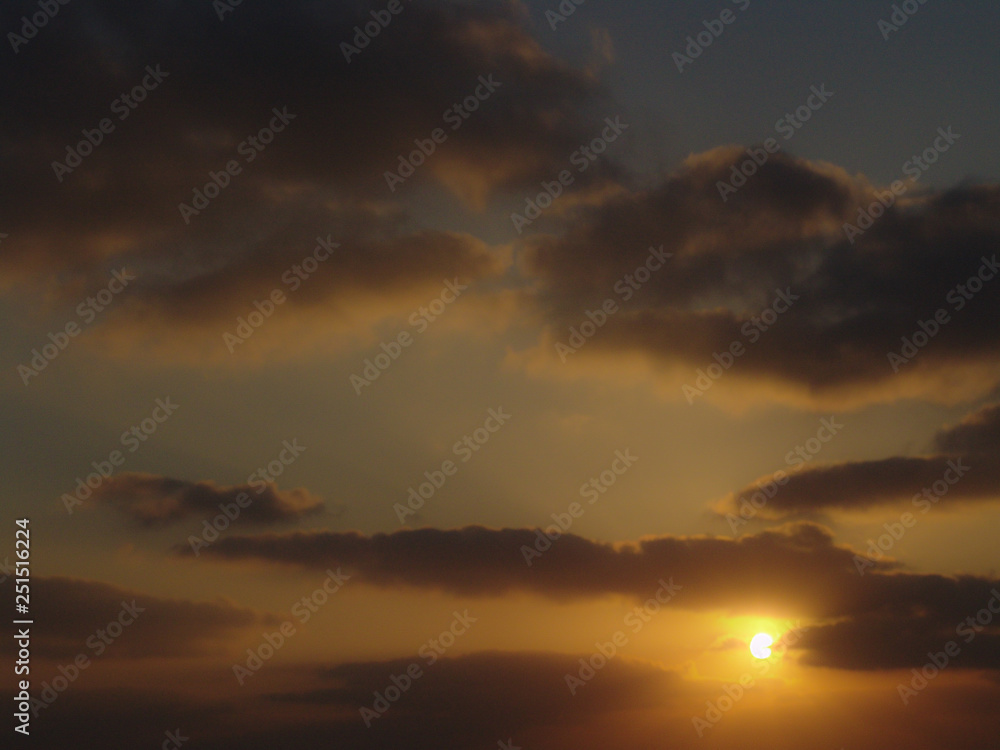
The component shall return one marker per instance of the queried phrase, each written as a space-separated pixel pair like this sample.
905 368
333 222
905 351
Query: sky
488 375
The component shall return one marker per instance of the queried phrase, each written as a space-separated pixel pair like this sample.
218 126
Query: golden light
760 645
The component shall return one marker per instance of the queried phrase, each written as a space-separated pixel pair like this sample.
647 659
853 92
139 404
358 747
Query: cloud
87 717
490 562
977 434
477 698
784 230
366 280
72 616
966 471
796 569
153 501
483 699
900 640
322 175
222 79
459 702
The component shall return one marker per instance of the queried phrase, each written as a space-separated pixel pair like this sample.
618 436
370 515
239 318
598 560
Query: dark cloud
196 314
777 569
904 640
72 616
967 471
475 699
140 717
784 230
464 702
977 434
153 501
727 250
795 570
351 120
321 176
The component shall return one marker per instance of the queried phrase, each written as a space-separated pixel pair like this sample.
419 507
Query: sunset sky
471 375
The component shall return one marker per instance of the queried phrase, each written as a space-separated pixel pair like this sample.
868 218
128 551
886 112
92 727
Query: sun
760 645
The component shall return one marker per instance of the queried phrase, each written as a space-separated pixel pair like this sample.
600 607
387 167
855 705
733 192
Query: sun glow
760 645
